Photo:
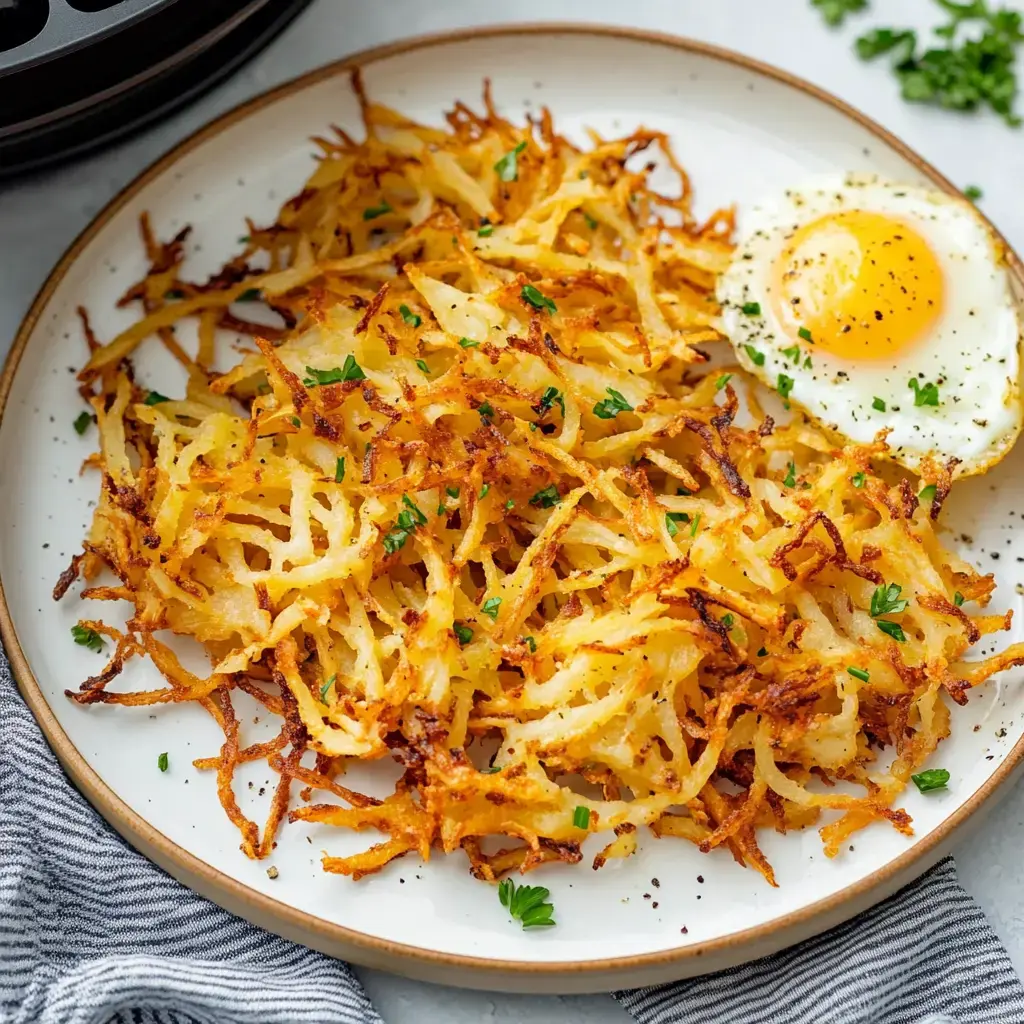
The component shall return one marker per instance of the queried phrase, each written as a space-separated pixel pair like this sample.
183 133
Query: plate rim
282 918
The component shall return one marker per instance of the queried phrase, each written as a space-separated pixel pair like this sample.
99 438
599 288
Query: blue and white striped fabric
92 933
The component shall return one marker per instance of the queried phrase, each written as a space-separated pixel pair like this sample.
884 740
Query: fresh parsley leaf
805 334
751 308
722 381
887 601
784 385
81 423
490 607
483 492
793 352
326 688
892 629
88 638
163 762
878 405
485 230
155 398
727 620
417 516
933 778
609 408
468 343
452 492
395 539
807 363
551 396
581 817
695 524
958 599
927 394
339 469
537 298
790 480
530 643
671 518
757 358
422 365
928 493
547 497
973 193
508 166
591 223
858 479
834 11
351 370
411 318
373 212
859 673
526 903
510 504
462 633
296 422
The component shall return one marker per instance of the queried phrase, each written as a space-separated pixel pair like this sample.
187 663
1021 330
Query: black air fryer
75 74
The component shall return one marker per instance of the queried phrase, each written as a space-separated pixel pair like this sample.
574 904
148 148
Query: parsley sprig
89 638
351 370
609 408
527 903
886 600
834 11
405 526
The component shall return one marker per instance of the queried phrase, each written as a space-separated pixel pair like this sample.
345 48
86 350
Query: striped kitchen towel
92 933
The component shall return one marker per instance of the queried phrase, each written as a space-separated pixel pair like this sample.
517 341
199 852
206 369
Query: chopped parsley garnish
411 318
892 629
421 363
807 363
351 370
155 398
250 295
834 11
790 480
537 299
927 394
887 601
609 408
751 308
958 599
485 409
490 607
928 493
696 523
727 620
491 769
88 638
805 334
418 517
671 518
510 504
508 166
82 422
591 223
296 422
581 817
858 479
551 396
339 469
408 519
531 643
468 343
784 385
485 230
483 492
163 762
757 358
793 352
859 673
933 778
547 497
722 381
978 70
877 404
973 193
526 903
452 492
325 688
462 633
373 212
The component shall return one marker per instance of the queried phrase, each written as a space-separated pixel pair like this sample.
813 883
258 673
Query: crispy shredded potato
469 505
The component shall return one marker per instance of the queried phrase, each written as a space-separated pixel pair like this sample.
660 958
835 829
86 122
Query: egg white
973 348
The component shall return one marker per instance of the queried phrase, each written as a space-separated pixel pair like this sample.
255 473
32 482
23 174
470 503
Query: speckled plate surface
742 131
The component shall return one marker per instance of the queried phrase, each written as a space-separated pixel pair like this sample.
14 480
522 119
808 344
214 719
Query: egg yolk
863 285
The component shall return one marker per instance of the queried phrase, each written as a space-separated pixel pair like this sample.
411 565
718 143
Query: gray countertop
40 215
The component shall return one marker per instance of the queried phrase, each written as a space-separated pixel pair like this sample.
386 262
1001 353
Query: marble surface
40 215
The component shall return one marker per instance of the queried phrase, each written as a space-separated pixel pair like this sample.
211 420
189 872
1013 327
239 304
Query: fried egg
875 305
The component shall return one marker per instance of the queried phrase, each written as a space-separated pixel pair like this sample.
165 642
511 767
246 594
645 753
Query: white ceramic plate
742 131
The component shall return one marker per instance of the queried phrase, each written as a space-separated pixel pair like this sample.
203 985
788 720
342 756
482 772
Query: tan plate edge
344 942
